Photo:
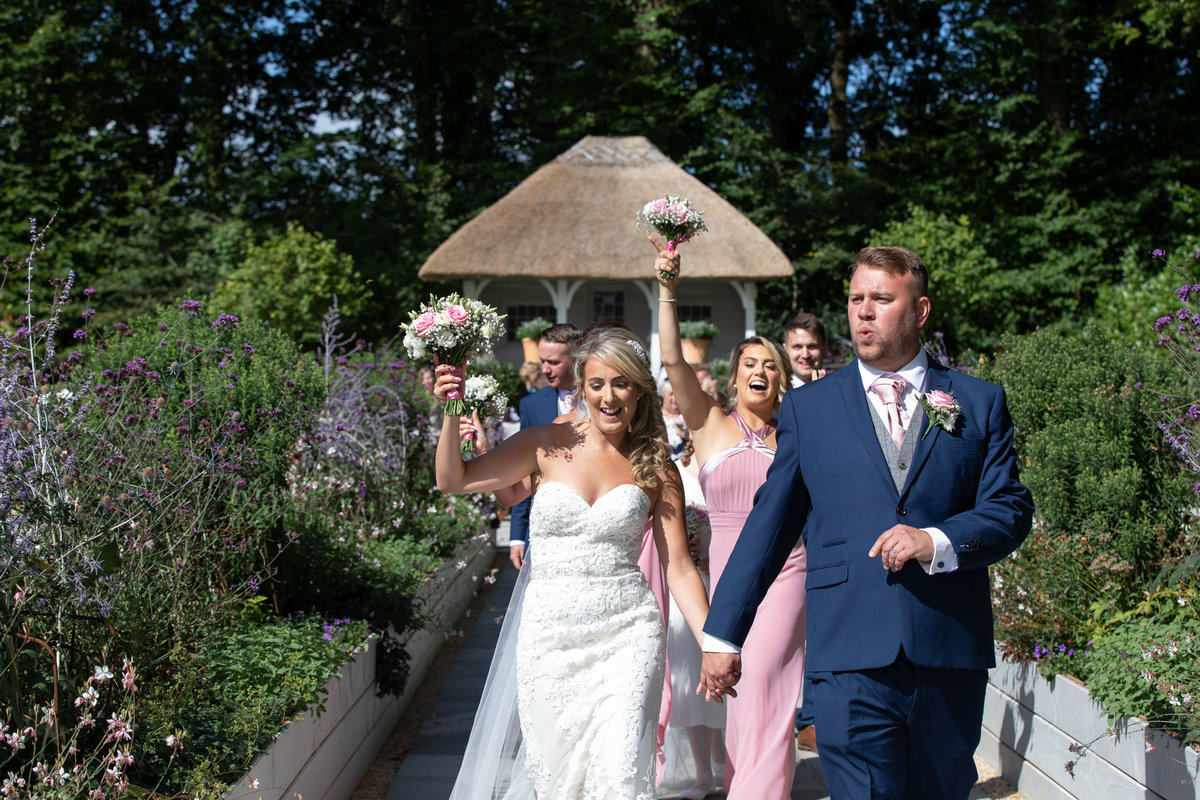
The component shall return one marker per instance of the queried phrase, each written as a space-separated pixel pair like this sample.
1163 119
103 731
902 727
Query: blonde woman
734 447
590 642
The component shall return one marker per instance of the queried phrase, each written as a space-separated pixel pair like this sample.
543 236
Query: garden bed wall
1031 723
324 757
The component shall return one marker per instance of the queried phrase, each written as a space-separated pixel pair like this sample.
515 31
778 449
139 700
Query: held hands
901 543
718 673
666 266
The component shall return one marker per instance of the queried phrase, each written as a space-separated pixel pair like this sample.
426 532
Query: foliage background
181 140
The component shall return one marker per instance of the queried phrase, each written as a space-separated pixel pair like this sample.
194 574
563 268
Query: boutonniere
941 409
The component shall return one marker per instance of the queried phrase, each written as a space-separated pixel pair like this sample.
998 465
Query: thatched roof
574 217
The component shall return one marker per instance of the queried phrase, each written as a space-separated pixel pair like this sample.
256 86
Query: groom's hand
718 673
900 543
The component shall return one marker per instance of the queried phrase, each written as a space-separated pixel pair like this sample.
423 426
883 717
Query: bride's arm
497 469
670 536
508 494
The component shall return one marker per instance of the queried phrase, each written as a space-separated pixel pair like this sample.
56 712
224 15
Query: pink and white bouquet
452 330
673 218
941 409
482 393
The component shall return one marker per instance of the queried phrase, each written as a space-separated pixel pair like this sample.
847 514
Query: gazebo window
608 306
695 313
519 315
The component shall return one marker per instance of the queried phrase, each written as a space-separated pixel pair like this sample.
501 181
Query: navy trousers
902 732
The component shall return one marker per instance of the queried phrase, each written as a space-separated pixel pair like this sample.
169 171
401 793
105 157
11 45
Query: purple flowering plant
140 491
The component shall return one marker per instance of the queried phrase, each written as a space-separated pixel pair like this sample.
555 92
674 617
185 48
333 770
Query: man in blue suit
901 519
541 407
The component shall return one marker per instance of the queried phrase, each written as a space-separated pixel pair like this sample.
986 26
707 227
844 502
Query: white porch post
649 289
561 294
748 291
473 287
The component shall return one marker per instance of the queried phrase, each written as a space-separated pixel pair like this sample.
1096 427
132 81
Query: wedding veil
493 766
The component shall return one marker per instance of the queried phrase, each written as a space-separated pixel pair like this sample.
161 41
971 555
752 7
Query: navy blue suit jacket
538 408
830 480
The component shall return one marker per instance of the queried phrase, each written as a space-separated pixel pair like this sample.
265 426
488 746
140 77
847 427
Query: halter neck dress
761 757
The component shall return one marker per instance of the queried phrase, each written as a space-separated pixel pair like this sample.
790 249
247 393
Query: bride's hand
666 266
446 382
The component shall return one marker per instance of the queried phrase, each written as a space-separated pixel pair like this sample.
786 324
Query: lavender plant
370 527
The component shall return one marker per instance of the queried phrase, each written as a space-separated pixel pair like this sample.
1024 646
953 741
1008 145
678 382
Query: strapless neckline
595 502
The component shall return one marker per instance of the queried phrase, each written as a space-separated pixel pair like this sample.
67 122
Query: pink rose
457 314
423 323
940 400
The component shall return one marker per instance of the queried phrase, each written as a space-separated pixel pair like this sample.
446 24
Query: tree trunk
842 12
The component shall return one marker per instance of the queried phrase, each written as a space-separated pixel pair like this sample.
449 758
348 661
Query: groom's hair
897 261
562 333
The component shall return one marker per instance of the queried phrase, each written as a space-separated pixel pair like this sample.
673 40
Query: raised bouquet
673 218
482 394
699 528
452 330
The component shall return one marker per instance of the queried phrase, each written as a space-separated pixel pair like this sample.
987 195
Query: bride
590 641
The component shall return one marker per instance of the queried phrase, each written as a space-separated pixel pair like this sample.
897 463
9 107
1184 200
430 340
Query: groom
901 519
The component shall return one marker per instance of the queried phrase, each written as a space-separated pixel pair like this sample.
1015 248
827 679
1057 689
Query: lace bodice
574 539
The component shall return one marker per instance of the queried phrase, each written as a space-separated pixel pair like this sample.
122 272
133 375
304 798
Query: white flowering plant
699 529
673 218
452 330
482 393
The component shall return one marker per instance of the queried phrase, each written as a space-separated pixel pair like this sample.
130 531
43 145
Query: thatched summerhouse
562 245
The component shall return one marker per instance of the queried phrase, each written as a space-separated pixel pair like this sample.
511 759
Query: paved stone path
429 769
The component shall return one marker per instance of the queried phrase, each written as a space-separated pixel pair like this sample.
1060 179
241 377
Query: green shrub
698 329
1109 499
290 280
533 328
229 697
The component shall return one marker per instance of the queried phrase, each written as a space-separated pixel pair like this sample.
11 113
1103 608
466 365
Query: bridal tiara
641 352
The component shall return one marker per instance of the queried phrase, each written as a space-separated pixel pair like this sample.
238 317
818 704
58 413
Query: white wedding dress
589 653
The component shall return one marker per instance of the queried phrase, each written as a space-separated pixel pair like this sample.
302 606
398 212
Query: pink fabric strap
753 440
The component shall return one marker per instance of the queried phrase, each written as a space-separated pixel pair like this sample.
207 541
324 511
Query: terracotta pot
695 351
531 350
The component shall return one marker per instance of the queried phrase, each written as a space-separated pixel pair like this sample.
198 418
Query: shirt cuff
944 557
714 645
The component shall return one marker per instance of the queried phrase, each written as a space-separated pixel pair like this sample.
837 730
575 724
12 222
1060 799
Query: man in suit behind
541 407
901 520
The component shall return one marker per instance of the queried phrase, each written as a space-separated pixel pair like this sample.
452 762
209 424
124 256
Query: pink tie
890 388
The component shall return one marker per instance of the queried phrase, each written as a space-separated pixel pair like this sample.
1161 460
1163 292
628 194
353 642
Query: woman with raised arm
590 642
735 447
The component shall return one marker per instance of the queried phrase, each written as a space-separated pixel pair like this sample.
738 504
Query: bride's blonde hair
649 453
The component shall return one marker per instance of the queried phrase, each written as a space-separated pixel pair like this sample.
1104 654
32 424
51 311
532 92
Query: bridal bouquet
673 218
452 330
482 394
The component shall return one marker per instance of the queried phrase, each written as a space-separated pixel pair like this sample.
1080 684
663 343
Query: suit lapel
859 412
937 378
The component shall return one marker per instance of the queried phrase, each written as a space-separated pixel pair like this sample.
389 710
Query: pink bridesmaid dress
761 760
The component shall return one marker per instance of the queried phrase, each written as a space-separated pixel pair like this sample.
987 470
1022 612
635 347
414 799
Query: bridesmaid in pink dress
735 448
